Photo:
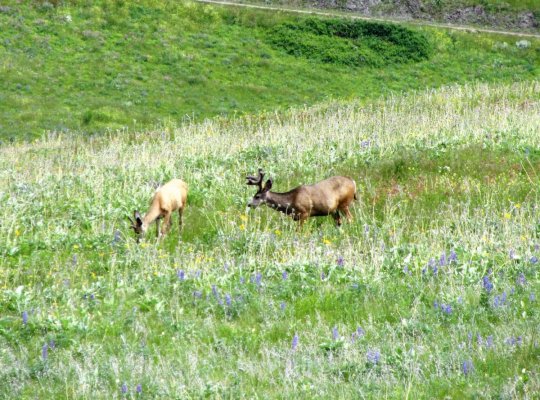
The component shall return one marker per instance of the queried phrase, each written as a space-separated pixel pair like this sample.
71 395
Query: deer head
137 224
262 191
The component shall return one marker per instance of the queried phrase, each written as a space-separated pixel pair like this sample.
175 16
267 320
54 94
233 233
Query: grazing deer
331 196
168 198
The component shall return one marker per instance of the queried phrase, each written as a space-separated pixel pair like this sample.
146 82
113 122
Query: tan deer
331 196
168 198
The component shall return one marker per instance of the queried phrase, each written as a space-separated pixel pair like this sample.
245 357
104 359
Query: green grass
110 66
455 169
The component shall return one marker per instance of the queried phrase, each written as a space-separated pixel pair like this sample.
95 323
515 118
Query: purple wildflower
284 275
258 279
228 299
360 332
323 276
513 290
335 333
496 301
181 274
479 340
44 352
489 341
512 254
116 237
340 261
226 267
488 286
442 259
52 344
446 308
215 292
532 297
282 306
366 229
373 356
423 271
453 257
138 389
124 388
242 280
467 367
74 260
294 342
435 304
519 340
521 281
533 260
25 317
197 294
460 300
92 296
406 270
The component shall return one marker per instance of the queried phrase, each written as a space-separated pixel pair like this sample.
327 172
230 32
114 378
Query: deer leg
180 214
337 218
157 226
166 224
347 213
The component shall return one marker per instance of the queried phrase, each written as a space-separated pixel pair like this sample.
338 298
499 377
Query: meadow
99 66
432 291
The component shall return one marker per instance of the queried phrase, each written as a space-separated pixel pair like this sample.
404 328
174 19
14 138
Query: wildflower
340 261
442 259
74 260
52 344
521 279
242 280
294 342
507 216
460 300
453 257
124 388
496 302
446 308
258 279
44 352
406 270
25 317
488 286
228 299
181 275
533 260
226 267
138 389
214 291
92 296
532 297
479 340
282 306
284 275
512 254
373 356
519 340
435 304
197 294
489 341
335 334
116 237
467 367
323 276
360 332
366 229
423 271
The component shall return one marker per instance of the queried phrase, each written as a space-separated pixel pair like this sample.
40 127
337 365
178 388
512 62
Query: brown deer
168 198
331 196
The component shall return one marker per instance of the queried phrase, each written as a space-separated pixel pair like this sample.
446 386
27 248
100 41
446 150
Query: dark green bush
350 42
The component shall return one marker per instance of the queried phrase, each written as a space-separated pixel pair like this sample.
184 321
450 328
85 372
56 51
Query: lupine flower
44 352
92 296
294 342
423 271
453 257
467 367
488 286
74 260
197 274
116 237
513 290
533 260
284 275
479 340
138 389
503 298
373 356
242 280
214 291
282 306
258 279
340 261
52 344
323 276
510 341
197 294
446 308
532 297
25 317
181 274
469 336
228 299
442 259
489 341
360 332
512 254
406 270
521 279
335 333
496 301
519 340
124 388
366 229
435 304
460 300
226 267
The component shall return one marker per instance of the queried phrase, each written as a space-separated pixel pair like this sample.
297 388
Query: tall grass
438 270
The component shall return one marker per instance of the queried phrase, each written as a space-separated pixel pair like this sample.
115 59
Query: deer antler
256 181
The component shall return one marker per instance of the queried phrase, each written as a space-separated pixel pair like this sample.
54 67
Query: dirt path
356 16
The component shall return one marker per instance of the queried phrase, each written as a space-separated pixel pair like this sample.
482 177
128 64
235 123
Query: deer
167 199
331 196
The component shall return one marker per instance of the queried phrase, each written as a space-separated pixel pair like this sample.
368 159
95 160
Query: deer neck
153 213
282 202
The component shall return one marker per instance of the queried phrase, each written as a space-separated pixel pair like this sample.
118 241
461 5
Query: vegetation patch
350 42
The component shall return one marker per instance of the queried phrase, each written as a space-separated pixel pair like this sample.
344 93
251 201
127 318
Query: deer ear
267 185
138 217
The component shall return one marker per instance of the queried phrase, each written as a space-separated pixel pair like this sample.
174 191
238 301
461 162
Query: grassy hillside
97 66
431 292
